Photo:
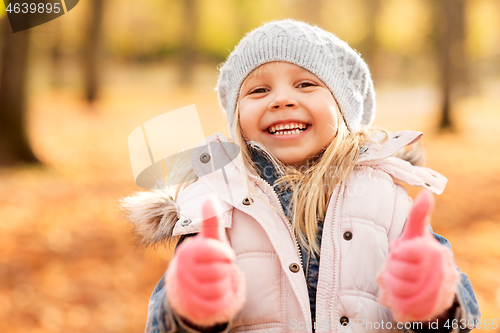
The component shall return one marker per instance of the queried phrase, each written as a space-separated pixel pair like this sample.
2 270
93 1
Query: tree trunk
14 144
452 58
56 57
188 47
93 51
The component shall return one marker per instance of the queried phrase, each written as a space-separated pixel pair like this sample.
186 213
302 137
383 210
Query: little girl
296 235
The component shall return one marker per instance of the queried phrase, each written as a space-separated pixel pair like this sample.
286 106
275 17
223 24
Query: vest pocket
262 273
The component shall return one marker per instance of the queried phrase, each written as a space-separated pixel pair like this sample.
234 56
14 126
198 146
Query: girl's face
288 110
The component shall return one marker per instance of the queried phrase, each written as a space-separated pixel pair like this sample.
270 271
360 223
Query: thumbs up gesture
418 279
203 284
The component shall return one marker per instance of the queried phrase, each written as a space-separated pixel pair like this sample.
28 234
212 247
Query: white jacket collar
380 149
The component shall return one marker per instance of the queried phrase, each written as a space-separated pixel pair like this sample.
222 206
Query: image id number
471 323
33 8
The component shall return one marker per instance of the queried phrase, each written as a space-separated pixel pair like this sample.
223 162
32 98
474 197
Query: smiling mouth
293 128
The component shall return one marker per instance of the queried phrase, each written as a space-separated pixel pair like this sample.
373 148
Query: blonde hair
321 175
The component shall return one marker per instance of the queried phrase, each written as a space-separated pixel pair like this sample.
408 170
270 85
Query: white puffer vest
368 204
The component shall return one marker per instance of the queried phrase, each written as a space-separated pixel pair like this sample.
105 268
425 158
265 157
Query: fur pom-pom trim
153 215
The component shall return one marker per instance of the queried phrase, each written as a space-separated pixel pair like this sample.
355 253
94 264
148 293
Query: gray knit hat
336 64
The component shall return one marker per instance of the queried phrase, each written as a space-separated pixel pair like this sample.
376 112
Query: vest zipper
335 247
288 225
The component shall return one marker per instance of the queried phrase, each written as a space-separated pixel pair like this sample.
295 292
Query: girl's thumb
211 225
417 221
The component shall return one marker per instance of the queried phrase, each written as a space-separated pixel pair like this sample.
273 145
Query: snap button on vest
347 235
362 149
185 223
247 201
294 267
344 321
205 158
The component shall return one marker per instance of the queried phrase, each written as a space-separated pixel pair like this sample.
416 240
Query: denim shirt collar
270 171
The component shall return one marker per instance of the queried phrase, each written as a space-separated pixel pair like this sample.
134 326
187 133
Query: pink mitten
203 283
418 279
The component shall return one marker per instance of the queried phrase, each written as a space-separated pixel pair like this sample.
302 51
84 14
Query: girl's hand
203 284
418 280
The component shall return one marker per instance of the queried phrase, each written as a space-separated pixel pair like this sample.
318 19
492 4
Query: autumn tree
188 44
370 44
92 50
451 55
14 144
56 56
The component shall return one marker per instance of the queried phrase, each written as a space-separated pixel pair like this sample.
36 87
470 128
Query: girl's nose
283 100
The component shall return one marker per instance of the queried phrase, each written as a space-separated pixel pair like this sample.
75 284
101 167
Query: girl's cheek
244 126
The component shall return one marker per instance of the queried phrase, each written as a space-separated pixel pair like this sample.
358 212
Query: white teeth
294 129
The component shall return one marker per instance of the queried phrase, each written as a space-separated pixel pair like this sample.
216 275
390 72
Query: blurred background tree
188 45
56 55
404 41
14 144
452 59
92 49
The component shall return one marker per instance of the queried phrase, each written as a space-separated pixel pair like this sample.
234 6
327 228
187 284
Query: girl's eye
258 91
306 84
